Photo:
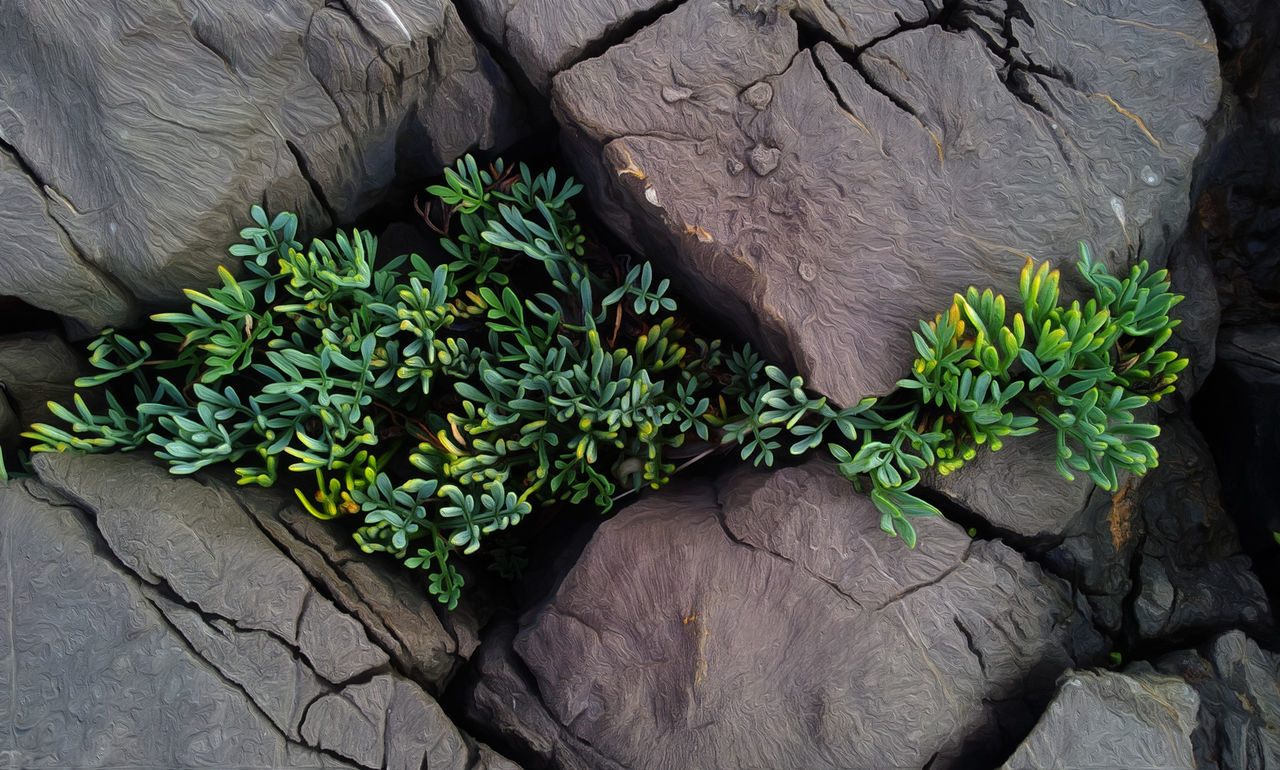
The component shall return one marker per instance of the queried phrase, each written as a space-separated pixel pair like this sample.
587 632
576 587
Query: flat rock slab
1108 719
190 538
774 626
825 186
93 675
399 614
122 184
313 675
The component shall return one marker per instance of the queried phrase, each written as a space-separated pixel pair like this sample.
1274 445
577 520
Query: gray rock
188 537
682 637
502 702
41 264
1169 530
1239 688
36 368
1107 719
933 159
386 722
397 611
1017 490
136 184
269 672
95 675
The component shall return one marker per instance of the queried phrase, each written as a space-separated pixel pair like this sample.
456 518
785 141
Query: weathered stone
386 722
94 675
1169 530
397 611
190 537
502 705
1107 719
36 368
1018 489
680 636
313 107
933 159
268 671
41 265
1239 688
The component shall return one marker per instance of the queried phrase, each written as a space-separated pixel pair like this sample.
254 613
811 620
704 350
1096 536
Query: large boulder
203 581
134 139
825 182
775 626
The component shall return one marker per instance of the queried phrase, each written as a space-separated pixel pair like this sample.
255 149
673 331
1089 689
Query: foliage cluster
444 400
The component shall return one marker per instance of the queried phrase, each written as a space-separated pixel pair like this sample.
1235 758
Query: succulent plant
442 401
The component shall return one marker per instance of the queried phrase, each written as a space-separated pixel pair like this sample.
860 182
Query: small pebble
764 159
735 166
672 94
758 95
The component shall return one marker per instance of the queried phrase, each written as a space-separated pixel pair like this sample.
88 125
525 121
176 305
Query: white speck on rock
1150 177
651 195
1117 206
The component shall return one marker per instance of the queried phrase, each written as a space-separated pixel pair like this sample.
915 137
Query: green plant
443 401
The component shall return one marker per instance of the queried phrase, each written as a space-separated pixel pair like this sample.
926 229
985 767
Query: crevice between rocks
619 32
810 35
724 525
304 168
76 252
973 647
318 587
537 107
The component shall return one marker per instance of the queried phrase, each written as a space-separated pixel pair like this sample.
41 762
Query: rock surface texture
778 602
1238 724
1113 720
819 174
153 621
124 186
831 176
